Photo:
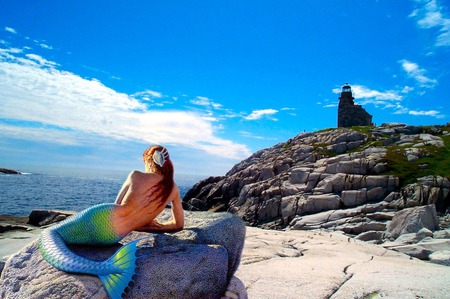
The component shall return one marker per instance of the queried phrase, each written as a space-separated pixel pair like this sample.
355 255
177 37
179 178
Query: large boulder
197 262
411 220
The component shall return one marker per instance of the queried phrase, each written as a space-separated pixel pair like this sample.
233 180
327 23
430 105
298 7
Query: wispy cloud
391 99
433 113
39 59
290 111
148 95
45 46
206 102
414 71
429 14
251 135
330 105
264 113
10 30
424 112
33 89
366 95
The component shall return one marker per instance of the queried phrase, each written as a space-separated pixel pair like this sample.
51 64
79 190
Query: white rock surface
313 264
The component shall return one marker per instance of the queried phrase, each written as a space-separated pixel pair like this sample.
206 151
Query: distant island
9 171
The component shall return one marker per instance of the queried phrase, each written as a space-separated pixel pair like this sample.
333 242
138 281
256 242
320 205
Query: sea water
67 190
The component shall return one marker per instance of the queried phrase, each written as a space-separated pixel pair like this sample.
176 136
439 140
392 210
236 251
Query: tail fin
124 261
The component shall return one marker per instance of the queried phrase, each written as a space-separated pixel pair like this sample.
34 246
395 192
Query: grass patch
362 129
372 295
437 159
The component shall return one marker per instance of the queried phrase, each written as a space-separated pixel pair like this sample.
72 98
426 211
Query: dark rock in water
46 217
197 262
9 171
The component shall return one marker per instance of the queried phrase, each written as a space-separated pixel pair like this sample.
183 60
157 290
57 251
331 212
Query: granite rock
329 170
411 220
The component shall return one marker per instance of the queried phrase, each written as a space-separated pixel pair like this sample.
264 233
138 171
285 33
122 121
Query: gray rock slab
315 264
411 220
441 257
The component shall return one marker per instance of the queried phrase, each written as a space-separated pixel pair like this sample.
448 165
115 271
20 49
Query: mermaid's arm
177 222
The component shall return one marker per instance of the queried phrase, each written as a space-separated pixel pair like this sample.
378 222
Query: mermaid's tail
92 226
115 273
125 262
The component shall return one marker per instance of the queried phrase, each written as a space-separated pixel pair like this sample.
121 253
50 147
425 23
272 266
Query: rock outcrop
198 262
354 181
9 171
328 170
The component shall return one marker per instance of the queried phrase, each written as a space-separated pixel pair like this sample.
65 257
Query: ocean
67 190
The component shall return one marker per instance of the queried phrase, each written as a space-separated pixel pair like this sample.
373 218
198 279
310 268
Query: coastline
15 233
304 256
14 219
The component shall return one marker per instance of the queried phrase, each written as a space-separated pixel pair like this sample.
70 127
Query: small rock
370 236
410 238
440 257
424 232
442 234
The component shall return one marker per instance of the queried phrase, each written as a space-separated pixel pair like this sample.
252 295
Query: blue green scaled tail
91 226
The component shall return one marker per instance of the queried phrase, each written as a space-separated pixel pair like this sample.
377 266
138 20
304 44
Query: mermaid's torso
92 226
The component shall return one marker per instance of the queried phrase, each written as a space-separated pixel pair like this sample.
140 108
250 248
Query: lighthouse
350 114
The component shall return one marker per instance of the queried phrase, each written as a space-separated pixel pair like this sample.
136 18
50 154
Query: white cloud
330 105
429 15
251 135
407 89
33 90
289 109
148 95
414 71
362 92
403 110
11 30
258 114
45 46
424 112
204 101
42 61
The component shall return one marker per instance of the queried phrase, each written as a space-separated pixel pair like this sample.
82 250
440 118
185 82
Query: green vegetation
432 161
437 159
372 295
362 129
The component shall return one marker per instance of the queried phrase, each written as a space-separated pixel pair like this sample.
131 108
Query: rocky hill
348 179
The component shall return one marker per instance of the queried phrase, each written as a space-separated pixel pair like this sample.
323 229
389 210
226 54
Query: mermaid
141 199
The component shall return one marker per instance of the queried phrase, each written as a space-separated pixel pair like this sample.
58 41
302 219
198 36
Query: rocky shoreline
357 181
306 263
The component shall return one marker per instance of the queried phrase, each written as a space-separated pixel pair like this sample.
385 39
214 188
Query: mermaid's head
157 160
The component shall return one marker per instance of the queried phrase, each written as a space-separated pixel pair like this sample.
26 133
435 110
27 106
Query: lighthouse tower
350 114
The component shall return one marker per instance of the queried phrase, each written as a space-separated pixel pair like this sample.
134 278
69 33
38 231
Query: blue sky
90 84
